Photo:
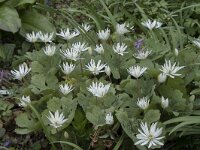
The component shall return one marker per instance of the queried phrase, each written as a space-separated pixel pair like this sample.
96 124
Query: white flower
24 101
104 34
122 29
152 24
136 71
98 89
32 37
162 78
67 68
49 50
143 103
80 47
45 37
176 52
107 70
164 102
99 49
141 54
170 70
149 136
66 34
86 27
95 69
196 42
65 89
120 48
57 120
71 54
109 119
23 71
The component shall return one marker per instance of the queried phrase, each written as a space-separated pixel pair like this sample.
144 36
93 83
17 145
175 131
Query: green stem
69 143
43 126
119 143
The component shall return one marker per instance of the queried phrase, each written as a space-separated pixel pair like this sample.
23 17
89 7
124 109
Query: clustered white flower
67 68
109 119
32 37
99 49
120 48
79 47
65 88
143 103
66 34
21 73
150 137
104 34
95 69
56 120
35 36
71 54
136 71
86 27
152 24
49 50
122 28
171 70
141 54
24 101
99 89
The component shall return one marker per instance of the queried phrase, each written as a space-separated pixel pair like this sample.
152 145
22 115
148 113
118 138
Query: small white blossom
57 120
120 48
24 101
98 89
109 119
152 24
23 71
164 102
32 37
107 70
176 52
45 37
104 34
143 103
80 47
196 42
86 27
122 29
162 78
49 50
99 49
67 68
141 54
66 34
136 71
65 88
170 70
149 136
71 54
95 69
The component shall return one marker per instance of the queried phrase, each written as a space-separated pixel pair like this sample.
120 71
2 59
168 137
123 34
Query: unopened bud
90 50
164 102
176 52
107 70
162 78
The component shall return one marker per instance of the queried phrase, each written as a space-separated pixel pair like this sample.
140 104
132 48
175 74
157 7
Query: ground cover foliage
99 74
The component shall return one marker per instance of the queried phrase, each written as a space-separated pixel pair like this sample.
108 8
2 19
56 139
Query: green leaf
21 2
152 116
9 19
33 21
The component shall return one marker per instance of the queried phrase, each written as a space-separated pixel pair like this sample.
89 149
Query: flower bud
162 78
109 119
176 52
107 70
164 102
90 50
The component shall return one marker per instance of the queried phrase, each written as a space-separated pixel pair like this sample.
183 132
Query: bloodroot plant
81 86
